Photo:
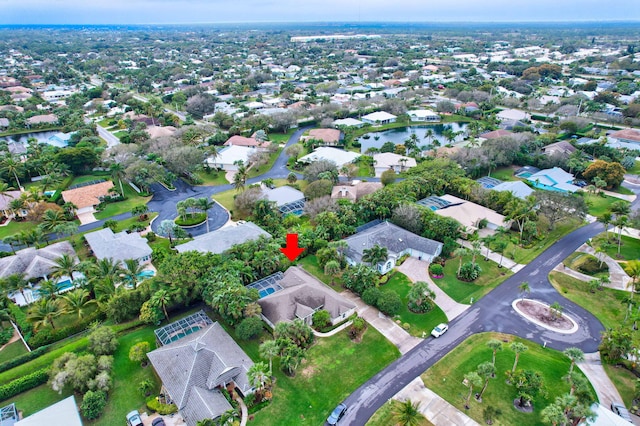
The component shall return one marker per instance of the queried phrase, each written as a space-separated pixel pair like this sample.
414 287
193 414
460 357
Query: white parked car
439 330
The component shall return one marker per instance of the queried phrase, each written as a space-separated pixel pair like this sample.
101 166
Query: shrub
590 265
371 296
383 279
12 363
125 305
103 341
47 336
436 270
389 302
5 335
321 319
93 404
420 297
138 352
23 384
357 328
163 409
249 328
483 223
469 271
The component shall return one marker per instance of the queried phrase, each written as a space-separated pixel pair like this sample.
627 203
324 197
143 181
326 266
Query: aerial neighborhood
304 225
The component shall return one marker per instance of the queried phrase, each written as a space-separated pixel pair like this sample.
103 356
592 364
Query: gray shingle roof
120 246
35 263
223 239
283 195
191 367
394 238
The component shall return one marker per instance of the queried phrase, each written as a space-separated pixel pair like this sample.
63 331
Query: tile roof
238 140
35 263
325 135
87 196
105 244
629 134
355 192
7 198
223 239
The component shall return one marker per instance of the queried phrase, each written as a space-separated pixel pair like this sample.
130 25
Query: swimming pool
267 291
184 333
147 273
64 285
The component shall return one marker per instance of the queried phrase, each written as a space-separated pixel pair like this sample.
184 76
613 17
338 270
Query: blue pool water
265 292
185 333
146 274
64 285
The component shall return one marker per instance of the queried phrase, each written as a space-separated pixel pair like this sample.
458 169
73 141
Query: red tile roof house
627 135
86 198
43 119
238 140
496 134
330 137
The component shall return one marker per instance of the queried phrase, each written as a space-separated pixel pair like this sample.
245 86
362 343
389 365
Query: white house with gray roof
194 368
224 238
286 198
105 244
396 240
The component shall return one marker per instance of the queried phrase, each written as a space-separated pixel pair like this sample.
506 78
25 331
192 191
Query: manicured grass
257 171
120 133
629 248
384 416
226 199
599 204
445 377
622 190
12 350
191 219
132 200
420 324
504 174
212 178
462 291
90 177
320 382
310 264
281 137
39 398
67 320
606 304
15 227
635 170
624 380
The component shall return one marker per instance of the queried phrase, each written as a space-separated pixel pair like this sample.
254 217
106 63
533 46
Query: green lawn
629 248
461 291
384 416
606 304
281 137
120 133
310 264
15 227
39 398
212 178
599 204
635 170
624 380
622 190
420 324
445 378
12 350
132 200
503 173
320 382
226 199
90 177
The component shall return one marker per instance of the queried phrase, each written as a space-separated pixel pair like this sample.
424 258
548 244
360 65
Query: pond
401 134
50 137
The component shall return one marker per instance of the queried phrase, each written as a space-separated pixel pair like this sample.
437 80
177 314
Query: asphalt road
492 313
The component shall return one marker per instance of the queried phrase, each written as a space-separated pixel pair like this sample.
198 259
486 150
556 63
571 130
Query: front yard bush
155 405
389 302
23 384
249 328
371 296
436 270
469 271
93 404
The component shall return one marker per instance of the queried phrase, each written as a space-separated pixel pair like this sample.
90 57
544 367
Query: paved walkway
417 270
618 277
86 218
385 325
334 331
496 257
625 197
243 410
592 368
435 409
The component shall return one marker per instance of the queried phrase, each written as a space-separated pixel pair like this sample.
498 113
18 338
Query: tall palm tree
107 272
258 376
12 240
65 265
240 177
524 288
375 255
12 166
43 313
495 345
517 348
48 289
269 350
161 299
407 413
132 268
620 222
77 302
16 282
460 252
575 355
205 204
605 218
117 172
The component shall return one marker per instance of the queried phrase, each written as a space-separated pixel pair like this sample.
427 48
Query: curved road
492 313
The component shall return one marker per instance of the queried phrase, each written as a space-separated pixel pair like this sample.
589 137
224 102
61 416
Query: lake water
401 134
50 137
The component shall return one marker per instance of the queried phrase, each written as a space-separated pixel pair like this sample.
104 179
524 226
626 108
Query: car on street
621 411
133 418
439 330
336 414
158 422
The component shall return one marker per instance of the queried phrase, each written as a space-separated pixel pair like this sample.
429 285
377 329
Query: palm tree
269 350
471 380
12 240
161 299
495 346
605 218
48 289
486 371
620 222
632 268
375 255
43 313
205 204
66 265
117 172
51 219
240 177
575 355
12 166
16 282
517 348
77 301
106 271
132 268
525 289
407 413
460 252
258 376
475 251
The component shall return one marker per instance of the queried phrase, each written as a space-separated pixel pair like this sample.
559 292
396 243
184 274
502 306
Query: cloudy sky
210 11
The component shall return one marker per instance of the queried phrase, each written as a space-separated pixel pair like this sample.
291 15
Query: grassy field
15 227
624 380
132 200
629 248
606 304
599 204
12 350
281 137
320 382
212 178
503 173
445 378
420 324
384 416
461 291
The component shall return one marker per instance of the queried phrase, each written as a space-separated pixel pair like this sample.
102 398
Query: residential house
62 413
228 158
287 199
252 142
516 187
160 131
512 115
396 240
631 136
194 368
348 122
5 205
86 198
495 134
119 246
469 215
326 136
4 123
424 115
223 239
379 118
298 295
355 191
554 179
389 161
338 156
42 119
559 149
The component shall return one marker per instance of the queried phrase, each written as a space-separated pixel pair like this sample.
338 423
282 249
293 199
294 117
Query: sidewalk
435 409
605 390
385 325
629 198
618 277
496 257
417 270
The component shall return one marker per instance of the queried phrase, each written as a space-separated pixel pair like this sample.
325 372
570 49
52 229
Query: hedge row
21 319
46 336
8 365
23 384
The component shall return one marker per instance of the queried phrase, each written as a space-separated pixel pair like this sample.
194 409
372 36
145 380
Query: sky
89 12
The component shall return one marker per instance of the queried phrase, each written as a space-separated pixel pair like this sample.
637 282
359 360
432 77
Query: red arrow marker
292 250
